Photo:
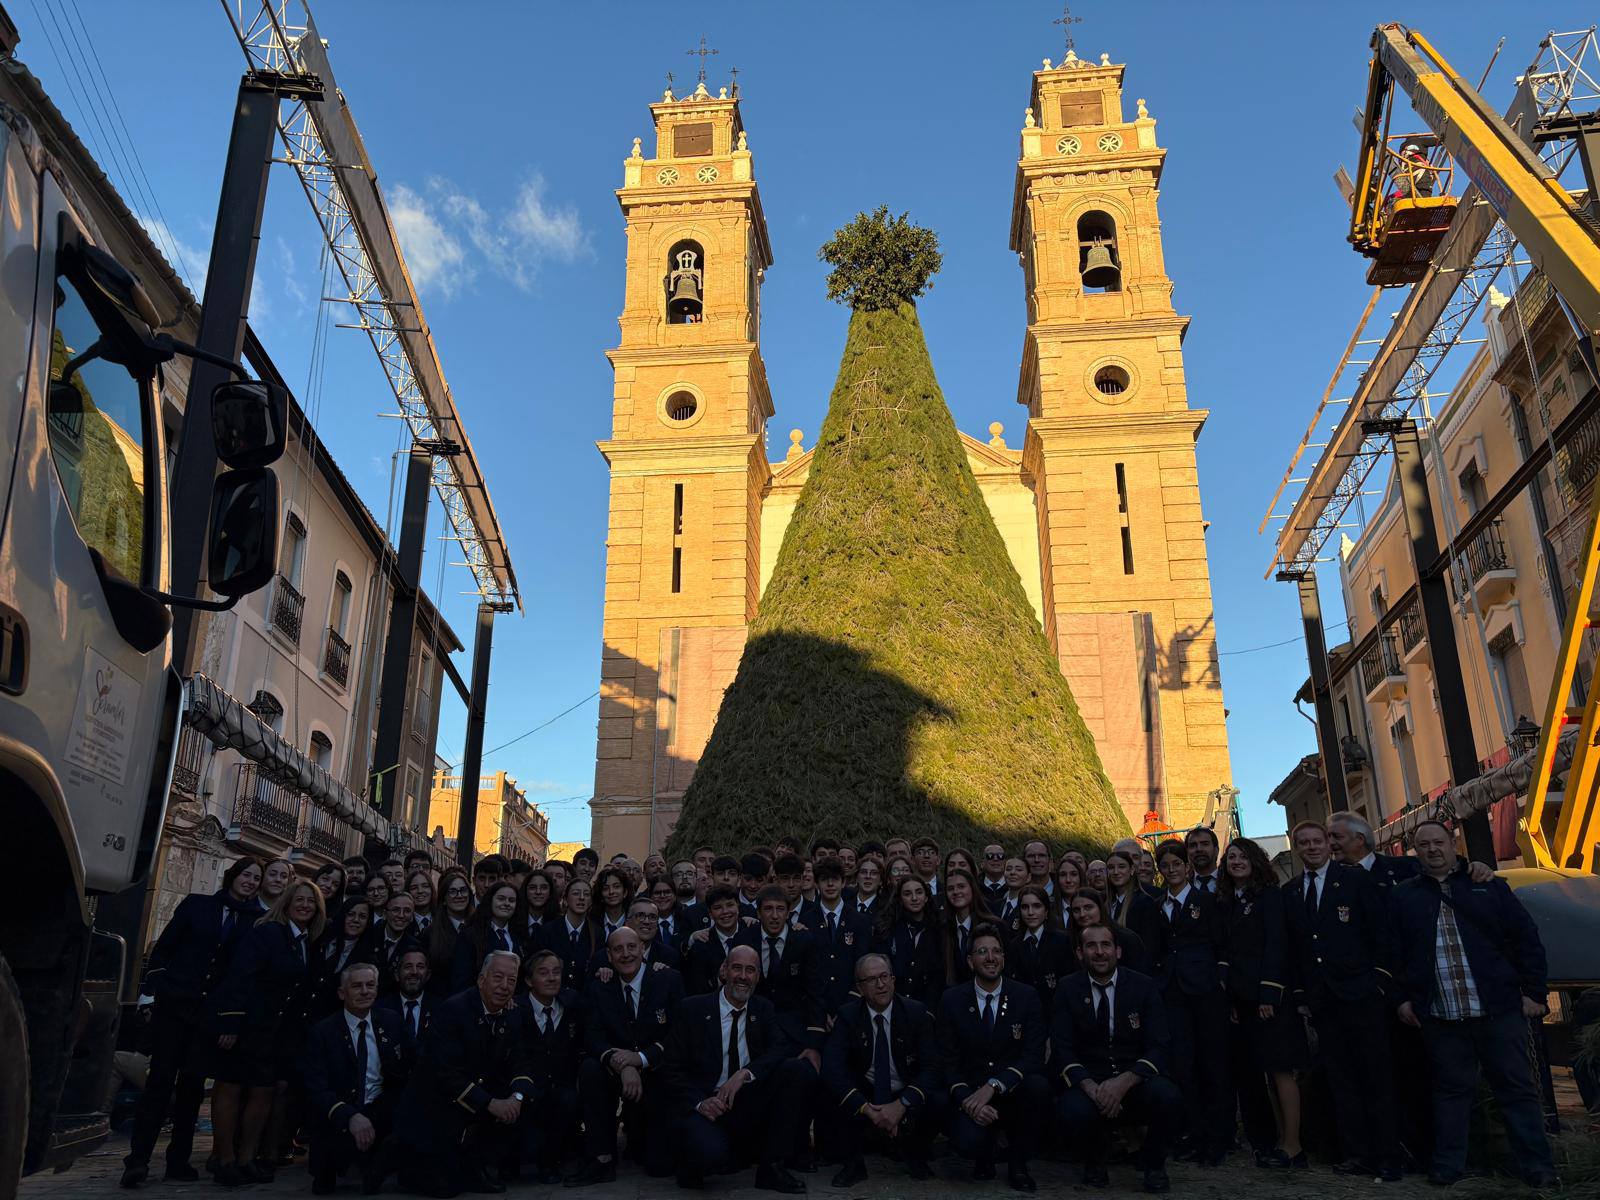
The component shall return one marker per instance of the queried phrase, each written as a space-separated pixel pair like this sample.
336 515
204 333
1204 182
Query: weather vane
733 76
1066 20
702 54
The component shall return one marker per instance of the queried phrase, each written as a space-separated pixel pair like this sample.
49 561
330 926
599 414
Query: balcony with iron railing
288 607
320 832
1489 566
1413 633
1578 459
262 804
188 765
336 658
1382 673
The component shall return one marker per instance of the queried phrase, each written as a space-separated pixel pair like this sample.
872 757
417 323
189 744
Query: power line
537 728
1253 649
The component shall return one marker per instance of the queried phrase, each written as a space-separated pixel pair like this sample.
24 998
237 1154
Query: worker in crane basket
1413 175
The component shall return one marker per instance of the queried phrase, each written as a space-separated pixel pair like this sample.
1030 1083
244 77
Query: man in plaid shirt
1473 976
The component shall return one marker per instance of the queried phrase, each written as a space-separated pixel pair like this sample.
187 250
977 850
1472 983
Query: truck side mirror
243 550
249 422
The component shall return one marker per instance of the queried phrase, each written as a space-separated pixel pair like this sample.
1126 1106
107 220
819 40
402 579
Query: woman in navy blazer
908 935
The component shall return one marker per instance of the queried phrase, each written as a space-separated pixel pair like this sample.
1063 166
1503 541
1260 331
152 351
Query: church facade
1099 507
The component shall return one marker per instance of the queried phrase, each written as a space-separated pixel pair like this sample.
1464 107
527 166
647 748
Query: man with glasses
881 1064
993 882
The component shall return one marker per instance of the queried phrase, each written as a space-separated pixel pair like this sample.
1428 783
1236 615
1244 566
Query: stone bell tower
1110 445
688 462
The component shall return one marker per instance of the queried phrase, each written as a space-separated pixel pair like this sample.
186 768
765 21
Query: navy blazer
1256 947
913 1045
609 1026
1044 967
1188 959
579 959
970 1056
837 954
1140 1041
694 1056
427 1004
192 954
1390 870
553 1059
1142 916
267 982
686 918
1502 944
1346 953
334 1091
918 966
702 960
795 986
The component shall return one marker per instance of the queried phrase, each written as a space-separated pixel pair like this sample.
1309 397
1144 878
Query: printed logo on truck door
102 724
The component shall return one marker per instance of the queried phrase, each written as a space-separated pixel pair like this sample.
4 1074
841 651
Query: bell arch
685 282
1099 257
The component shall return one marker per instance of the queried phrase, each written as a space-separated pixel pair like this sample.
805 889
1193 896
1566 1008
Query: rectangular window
677 569
1507 655
691 141
677 510
1409 775
1473 489
1127 551
292 557
1082 108
675 643
422 716
1122 488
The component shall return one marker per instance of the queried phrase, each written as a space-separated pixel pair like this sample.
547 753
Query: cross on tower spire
702 54
733 75
1066 20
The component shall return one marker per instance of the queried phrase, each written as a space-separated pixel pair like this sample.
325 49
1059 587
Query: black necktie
988 1014
1102 1011
833 928
1311 895
411 1017
504 938
734 1065
549 1020
633 1007
228 918
881 1091
961 939
1116 908
361 1058
575 933
300 948
865 908
773 955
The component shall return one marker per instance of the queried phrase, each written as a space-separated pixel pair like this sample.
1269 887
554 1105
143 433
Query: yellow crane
1400 212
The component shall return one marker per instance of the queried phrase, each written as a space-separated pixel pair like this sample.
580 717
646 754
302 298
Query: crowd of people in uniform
785 1009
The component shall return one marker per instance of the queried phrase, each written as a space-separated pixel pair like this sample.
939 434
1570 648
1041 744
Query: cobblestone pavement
97 1175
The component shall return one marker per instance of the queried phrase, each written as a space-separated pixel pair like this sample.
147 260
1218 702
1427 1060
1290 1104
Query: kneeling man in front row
734 1087
1110 1033
882 1063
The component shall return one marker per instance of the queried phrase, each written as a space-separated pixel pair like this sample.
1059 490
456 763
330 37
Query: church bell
685 298
1099 268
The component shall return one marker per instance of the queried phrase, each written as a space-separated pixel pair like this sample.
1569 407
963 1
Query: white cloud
542 787
288 274
186 258
447 229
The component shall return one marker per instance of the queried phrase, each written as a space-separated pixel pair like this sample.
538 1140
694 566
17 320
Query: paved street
97 1176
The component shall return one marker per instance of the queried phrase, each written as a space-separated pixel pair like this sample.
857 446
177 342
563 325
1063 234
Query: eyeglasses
996 857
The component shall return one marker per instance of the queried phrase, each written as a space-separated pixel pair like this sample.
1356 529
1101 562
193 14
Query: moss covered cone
896 679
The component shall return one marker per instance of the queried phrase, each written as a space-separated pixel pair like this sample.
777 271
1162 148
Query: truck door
19 249
89 478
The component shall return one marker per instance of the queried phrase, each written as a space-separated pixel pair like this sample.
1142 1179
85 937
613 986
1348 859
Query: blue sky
498 132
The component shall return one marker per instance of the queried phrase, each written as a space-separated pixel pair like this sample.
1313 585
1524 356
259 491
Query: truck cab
90 704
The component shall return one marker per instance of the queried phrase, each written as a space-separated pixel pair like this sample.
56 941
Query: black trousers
1199 1027
1023 1113
333 1149
1353 1042
1157 1104
1252 1089
920 1125
547 1133
599 1093
180 1041
763 1125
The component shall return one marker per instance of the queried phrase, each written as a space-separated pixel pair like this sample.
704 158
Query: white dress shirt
1174 901
725 1010
1321 876
539 1019
374 1082
1111 996
888 1031
772 956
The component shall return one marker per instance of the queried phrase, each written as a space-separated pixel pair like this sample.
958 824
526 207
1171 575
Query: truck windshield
96 421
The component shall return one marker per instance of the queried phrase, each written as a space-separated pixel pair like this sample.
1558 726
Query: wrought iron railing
320 832
1487 552
189 763
1578 458
260 802
336 658
288 606
1380 660
1412 630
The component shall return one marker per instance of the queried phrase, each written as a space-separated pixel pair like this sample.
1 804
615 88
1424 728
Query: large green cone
896 680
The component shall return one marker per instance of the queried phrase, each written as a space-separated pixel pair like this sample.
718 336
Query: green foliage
880 262
896 679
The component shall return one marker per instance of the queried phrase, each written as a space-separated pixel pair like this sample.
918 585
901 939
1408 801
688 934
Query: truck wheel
14 1086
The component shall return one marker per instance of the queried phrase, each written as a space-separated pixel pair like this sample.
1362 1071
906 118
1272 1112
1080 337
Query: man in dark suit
992 882
687 914
707 948
657 951
731 1082
841 933
1341 940
1200 843
553 1019
881 1065
459 1112
1473 977
1350 841
1109 1037
991 1036
629 1013
353 1066
754 871
791 975
411 1001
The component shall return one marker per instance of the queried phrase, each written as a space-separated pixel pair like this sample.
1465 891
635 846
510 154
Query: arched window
1099 262
322 749
686 283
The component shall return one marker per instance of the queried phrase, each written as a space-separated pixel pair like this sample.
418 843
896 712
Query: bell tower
688 461
1110 445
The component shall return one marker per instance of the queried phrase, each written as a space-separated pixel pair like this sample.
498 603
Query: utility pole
472 760
1305 581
